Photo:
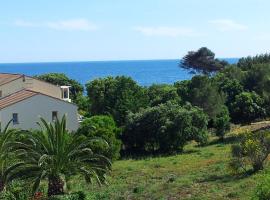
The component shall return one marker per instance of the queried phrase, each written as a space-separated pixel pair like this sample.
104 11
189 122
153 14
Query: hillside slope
199 173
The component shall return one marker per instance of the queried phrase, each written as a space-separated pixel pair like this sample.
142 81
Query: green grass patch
198 173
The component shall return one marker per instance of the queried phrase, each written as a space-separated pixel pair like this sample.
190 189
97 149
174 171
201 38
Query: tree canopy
104 127
202 61
247 62
116 96
165 128
162 93
203 92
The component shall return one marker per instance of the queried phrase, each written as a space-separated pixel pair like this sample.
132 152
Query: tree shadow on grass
228 140
225 178
147 155
190 151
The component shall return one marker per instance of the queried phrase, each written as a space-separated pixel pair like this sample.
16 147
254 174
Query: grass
199 173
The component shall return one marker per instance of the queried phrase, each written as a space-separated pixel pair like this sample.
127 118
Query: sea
145 72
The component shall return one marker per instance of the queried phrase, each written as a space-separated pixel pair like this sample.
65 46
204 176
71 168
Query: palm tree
55 155
6 167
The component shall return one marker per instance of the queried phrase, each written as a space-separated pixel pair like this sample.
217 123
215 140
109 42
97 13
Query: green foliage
231 88
262 190
19 190
116 96
6 195
248 106
55 155
76 89
164 129
252 150
203 92
105 128
183 89
258 80
162 93
83 104
222 122
202 61
232 72
8 165
73 196
248 62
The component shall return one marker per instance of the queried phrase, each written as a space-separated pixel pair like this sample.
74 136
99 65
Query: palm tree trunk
55 186
2 185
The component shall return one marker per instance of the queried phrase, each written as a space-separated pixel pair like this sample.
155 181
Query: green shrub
6 195
202 91
17 190
73 196
116 96
247 107
262 191
162 93
222 122
252 151
165 128
104 127
20 190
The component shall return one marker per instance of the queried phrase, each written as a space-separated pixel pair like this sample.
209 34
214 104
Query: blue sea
145 72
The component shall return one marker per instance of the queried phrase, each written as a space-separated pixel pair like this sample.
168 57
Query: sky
93 30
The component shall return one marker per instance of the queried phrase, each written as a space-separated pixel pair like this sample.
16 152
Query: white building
24 100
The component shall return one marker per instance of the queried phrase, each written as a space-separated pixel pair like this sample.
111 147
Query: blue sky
80 30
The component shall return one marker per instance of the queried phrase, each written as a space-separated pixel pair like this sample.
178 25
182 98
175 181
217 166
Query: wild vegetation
165 141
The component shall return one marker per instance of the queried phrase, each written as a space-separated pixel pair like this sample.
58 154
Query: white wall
29 111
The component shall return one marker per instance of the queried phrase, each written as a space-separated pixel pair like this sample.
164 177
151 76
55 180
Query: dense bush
105 128
17 190
232 72
164 129
222 122
248 62
162 93
247 107
116 96
203 92
6 195
252 151
257 79
231 88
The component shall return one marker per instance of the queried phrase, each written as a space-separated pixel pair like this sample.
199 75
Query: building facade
24 100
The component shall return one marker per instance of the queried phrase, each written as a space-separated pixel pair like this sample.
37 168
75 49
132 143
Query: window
15 118
65 93
54 115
